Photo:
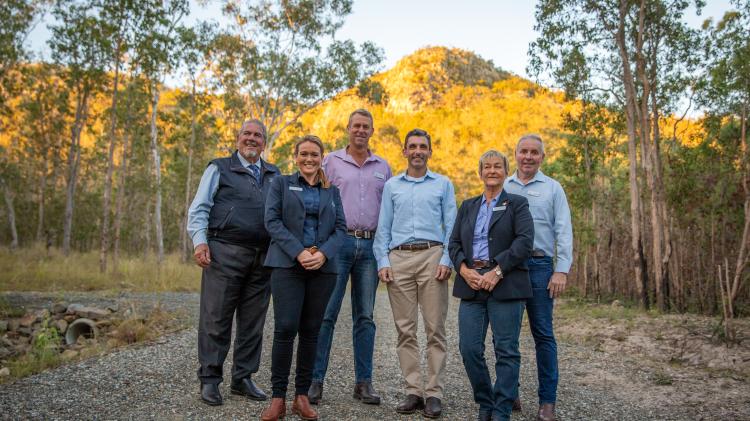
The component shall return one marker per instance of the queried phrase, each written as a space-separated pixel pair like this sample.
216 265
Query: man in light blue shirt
553 245
225 222
416 218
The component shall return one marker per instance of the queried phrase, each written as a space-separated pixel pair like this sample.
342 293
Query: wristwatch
499 272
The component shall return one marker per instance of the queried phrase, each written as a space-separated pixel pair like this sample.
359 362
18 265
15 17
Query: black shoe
410 405
210 394
366 393
246 387
517 404
315 393
484 416
432 407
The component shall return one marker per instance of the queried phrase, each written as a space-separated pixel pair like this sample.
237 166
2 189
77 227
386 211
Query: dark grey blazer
285 217
511 240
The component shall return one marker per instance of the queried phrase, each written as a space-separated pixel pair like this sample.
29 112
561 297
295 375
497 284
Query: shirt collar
494 199
303 182
539 176
343 154
245 163
429 174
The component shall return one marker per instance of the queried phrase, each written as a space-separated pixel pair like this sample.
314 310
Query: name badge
498 208
295 188
534 193
379 175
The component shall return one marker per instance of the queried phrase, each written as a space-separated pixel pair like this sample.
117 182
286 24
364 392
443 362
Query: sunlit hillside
467 105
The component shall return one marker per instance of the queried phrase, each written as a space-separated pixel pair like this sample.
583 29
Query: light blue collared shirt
197 224
415 209
553 228
480 244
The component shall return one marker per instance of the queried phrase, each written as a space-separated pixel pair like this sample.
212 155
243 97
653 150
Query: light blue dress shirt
553 229
197 224
415 209
480 244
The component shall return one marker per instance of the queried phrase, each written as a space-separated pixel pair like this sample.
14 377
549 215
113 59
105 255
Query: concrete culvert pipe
85 327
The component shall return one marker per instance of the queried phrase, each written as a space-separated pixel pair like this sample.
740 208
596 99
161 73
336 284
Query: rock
4 372
616 304
13 325
73 308
5 342
70 317
3 326
42 315
114 308
94 313
61 326
6 352
69 354
60 307
25 331
27 320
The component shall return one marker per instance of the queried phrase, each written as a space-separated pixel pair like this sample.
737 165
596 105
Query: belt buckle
359 234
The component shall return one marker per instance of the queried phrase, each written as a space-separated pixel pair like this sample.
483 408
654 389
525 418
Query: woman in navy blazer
305 219
491 240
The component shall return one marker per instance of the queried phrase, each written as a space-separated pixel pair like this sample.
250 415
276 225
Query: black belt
361 234
480 264
416 246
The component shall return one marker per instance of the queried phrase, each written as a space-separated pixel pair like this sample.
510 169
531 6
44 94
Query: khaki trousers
415 287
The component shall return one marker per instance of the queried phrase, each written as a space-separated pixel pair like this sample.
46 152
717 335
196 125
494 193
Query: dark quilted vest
239 203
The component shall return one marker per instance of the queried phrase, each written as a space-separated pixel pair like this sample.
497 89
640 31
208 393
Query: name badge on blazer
498 208
379 175
295 188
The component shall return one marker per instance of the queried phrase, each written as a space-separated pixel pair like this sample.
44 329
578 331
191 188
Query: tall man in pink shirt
360 176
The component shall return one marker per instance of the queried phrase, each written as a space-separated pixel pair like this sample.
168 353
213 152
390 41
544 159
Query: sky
497 30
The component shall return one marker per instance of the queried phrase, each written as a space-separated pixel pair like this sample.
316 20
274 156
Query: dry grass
34 269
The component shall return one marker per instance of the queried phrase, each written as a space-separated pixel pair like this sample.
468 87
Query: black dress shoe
432 407
410 405
484 416
315 393
366 393
246 387
210 394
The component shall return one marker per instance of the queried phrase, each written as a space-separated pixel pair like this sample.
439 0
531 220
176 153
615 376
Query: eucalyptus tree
727 97
157 56
18 19
639 57
80 45
285 57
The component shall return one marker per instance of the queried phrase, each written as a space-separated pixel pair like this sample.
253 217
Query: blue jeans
539 309
505 318
354 257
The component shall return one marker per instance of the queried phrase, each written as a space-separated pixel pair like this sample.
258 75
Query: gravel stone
158 381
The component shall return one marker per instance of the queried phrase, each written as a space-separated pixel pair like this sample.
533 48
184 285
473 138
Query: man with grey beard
225 222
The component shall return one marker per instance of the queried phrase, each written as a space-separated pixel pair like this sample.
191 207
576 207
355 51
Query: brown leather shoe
315 393
410 405
517 404
366 393
546 412
275 411
301 407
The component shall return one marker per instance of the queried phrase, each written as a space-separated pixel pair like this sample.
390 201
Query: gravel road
157 380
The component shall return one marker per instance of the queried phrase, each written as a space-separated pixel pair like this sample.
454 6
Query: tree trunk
42 197
185 247
636 242
157 175
8 196
74 160
104 240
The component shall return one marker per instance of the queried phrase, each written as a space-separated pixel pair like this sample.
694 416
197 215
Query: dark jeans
355 257
539 309
299 300
235 284
505 319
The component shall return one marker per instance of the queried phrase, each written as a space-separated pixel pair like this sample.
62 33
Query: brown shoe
546 412
366 393
275 411
410 405
301 407
517 404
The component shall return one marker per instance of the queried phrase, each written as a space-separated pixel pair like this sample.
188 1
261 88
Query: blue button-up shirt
415 209
204 200
480 244
311 199
553 229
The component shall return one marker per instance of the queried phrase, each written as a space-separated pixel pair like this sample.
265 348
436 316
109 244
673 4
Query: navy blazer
511 240
285 217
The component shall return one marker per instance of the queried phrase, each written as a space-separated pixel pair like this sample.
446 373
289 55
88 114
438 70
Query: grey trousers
235 285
